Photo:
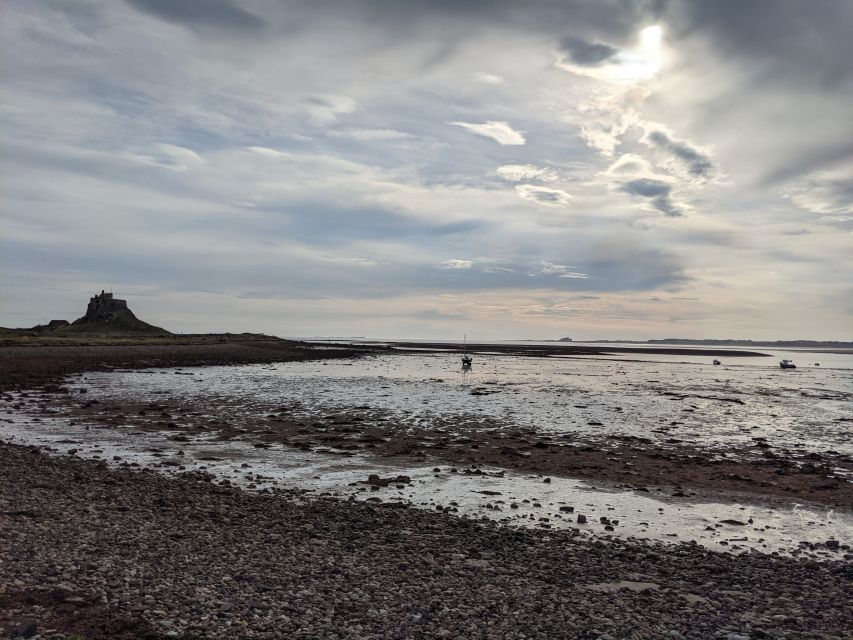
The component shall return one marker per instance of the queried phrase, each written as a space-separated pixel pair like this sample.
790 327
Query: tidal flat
618 458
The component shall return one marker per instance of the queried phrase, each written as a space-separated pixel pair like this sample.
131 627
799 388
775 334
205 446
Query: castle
105 308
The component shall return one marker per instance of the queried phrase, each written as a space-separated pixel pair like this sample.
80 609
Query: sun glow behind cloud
629 65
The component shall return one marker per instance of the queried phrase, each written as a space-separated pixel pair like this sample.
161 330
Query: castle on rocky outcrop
112 314
104 315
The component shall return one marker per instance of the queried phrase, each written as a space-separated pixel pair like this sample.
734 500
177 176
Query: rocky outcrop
106 313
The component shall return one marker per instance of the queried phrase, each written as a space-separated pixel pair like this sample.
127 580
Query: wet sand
635 463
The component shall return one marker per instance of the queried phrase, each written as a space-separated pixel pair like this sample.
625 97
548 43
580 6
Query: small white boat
787 364
717 361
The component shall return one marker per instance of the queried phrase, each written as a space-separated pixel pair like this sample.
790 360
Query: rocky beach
174 544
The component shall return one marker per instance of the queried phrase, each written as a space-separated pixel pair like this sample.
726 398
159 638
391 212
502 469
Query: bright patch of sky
611 169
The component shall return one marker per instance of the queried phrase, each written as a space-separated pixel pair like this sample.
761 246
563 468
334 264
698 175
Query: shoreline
571 349
44 364
129 560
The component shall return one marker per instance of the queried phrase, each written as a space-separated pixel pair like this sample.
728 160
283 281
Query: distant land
109 320
778 344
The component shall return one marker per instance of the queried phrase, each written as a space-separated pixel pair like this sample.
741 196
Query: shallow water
807 409
489 493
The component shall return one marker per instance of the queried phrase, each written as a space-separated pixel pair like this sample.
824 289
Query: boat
717 361
787 364
466 357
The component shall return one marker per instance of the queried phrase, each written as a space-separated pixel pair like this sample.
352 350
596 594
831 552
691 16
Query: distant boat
787 364
466 358
817 364
717 361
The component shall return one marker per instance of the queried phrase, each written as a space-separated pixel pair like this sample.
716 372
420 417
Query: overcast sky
498 168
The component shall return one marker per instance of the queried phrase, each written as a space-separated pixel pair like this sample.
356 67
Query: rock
832 544
24 629
567 509
375 481
581 519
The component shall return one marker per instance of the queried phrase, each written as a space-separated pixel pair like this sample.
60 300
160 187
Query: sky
501 169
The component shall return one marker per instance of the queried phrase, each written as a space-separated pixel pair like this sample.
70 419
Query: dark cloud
222 15
698 164
588 54
657 191
804 42
646 187
604 16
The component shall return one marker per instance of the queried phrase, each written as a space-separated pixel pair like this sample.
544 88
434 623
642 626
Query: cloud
543 195
499 131
562 271
629 164
436 314
488 78
603 121
324 109
656 191
371 135
523 172
268 153
167 156
634 175
222 15
827 193
588 54
647 187
456 264
697 161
